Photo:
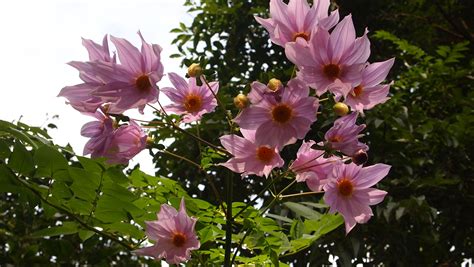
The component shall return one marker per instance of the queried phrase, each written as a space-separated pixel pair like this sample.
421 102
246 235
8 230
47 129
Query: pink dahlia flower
127 142
249 157
80 96
331 61
370 92
281 120
100 132
189 98
343 135
311 166
173 233
297 19
348 191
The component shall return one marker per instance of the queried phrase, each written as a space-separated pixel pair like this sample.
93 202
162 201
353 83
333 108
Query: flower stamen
143 83
179 239
345 187
265 154
332 71
192 103
282 113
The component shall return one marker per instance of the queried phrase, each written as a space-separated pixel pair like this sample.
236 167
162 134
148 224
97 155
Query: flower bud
340 109
274 84
241 101
150 141
194 70
360 157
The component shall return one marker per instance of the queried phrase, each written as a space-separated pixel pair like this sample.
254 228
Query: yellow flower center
332 71
345 187
302 35
282 113
143 83
265 154
178 239
335 139
192 103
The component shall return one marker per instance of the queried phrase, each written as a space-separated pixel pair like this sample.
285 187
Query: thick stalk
228 230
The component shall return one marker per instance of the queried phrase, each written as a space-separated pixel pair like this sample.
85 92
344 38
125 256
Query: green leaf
302 210
125 229
4 149
49 160
85 234
66 229
21 160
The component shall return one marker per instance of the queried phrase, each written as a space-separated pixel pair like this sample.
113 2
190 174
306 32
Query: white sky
38 38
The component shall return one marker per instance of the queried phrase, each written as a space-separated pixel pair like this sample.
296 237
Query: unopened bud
241 101
274 84
150 141
194 70
360 157
340 109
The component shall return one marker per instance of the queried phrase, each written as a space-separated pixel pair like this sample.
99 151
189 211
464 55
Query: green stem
259 195
228 230
229 118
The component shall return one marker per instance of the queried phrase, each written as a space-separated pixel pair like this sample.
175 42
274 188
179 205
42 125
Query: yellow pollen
345 187
265 154
282 113
192 103
179 239
143 83
332 71
302 35
358 90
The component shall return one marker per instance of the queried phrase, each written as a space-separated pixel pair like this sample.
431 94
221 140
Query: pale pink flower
250 157
190 99
297 19
80 96
343 135
173 233
100 132
348 191
127 142
281 120
311 166
370 92
331 61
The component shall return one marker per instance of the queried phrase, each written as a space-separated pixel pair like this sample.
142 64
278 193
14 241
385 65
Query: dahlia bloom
79 96
281 120
311 166
297 19
250 157
369 92
190 99
348 191
343 135
130 84
331 61
100 132
127 142
173 233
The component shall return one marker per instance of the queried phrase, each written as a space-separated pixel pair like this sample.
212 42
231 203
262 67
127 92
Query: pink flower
80 96
281 119
297 19
311 166
331 61
127 142
100 132
190 99
348 192
173 233
130 84
250 157
259 90
343 135
369 92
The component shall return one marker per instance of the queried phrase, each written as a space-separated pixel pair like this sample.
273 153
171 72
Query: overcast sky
40 37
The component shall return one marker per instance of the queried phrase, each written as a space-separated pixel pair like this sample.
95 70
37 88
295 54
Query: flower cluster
329 58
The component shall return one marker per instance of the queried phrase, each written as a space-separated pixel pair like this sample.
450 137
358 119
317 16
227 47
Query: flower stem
301 194
228 230
228 117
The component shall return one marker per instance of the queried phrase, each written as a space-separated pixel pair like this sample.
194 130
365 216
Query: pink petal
341 38
376 72
369 176
237 145
359 52
128 54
